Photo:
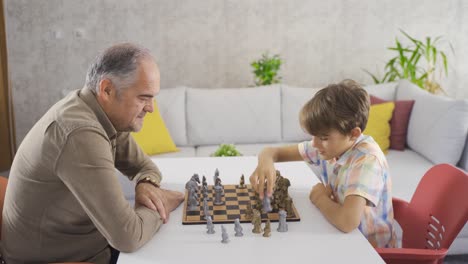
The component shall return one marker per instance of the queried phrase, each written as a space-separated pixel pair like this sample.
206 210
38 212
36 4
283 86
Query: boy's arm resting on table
346 217
266 170
88 171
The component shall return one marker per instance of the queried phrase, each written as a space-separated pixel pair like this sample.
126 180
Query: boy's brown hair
342 106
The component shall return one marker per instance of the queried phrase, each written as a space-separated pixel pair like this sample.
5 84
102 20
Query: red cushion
399 121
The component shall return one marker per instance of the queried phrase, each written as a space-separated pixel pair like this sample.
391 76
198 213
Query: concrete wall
210 43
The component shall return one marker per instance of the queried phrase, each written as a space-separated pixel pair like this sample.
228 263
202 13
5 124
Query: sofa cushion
438 125
293 99
234 115
154 137
171 104
385 91
378 124
399 121
406 170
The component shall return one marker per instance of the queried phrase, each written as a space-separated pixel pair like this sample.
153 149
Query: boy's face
333 144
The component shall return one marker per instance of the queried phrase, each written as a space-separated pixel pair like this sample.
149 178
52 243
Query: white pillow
385 91
171 103
233 115
438 125
294 99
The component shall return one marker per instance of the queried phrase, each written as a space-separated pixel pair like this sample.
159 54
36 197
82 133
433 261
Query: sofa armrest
463 163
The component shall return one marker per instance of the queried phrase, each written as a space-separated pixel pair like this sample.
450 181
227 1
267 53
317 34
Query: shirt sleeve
365 178
132 161
86 167
312 158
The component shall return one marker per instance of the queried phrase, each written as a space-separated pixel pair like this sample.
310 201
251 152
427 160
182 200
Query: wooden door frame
7 133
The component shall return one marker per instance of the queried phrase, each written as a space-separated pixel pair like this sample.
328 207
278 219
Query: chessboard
235 204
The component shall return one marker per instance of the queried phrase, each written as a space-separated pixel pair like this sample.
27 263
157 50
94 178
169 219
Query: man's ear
106 89
355 133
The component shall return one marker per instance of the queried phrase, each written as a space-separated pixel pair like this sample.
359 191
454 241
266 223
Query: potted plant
266 69
226 150
421 62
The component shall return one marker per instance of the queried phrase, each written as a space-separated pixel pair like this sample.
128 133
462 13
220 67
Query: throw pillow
154 138
378 124
399 121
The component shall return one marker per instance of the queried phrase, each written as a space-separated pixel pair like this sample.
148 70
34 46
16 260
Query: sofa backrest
438 126
292 100
171 104
233 115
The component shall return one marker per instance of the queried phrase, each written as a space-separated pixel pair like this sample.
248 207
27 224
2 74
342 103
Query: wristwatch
149 180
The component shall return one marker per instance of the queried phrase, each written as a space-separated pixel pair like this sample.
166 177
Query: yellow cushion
378 124
154 138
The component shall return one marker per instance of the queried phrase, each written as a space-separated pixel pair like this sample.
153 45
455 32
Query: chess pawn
257 222
224 235
209 226
267 230
282 225
238 228
242 182
249 211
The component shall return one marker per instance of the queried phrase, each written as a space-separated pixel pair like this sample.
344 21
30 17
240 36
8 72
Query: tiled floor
456 259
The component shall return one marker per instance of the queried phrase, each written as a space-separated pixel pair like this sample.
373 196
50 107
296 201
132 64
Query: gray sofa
253 118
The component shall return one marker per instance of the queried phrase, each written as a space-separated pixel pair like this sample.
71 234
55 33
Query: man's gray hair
118 64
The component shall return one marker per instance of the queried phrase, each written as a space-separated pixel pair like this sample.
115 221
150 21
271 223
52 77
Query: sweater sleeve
86 167
132 161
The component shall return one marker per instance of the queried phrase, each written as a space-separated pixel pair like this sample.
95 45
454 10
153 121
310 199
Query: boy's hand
258 178
318 191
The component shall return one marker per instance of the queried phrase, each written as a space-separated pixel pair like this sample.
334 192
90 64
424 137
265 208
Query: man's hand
318 191
163 201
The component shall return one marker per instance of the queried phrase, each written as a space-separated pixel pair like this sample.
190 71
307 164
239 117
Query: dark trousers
114 255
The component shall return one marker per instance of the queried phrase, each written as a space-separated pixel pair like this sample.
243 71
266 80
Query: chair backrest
438 209
3 185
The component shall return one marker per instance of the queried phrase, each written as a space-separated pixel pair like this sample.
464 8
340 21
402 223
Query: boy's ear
356 133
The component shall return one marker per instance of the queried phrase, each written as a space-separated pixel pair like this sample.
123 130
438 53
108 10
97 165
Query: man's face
127 108
332 144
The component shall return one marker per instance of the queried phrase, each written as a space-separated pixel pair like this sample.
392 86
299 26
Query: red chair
3 186
432 219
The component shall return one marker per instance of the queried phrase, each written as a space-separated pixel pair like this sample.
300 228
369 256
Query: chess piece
257 222
238 228
282 225
218 195
242 182
193 182
267 230
289 208
192 202
248 211
216 176
209 226
266 203
204 180
206 210
224 235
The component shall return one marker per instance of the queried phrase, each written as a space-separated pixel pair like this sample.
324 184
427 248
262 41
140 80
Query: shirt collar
90 99
345 156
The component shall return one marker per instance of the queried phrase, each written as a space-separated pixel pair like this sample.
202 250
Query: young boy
355 188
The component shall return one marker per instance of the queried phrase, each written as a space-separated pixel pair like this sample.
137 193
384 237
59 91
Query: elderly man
64 201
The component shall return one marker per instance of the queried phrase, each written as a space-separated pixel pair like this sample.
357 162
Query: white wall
210 43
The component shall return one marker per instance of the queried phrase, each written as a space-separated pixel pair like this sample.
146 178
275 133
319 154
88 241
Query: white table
312 240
